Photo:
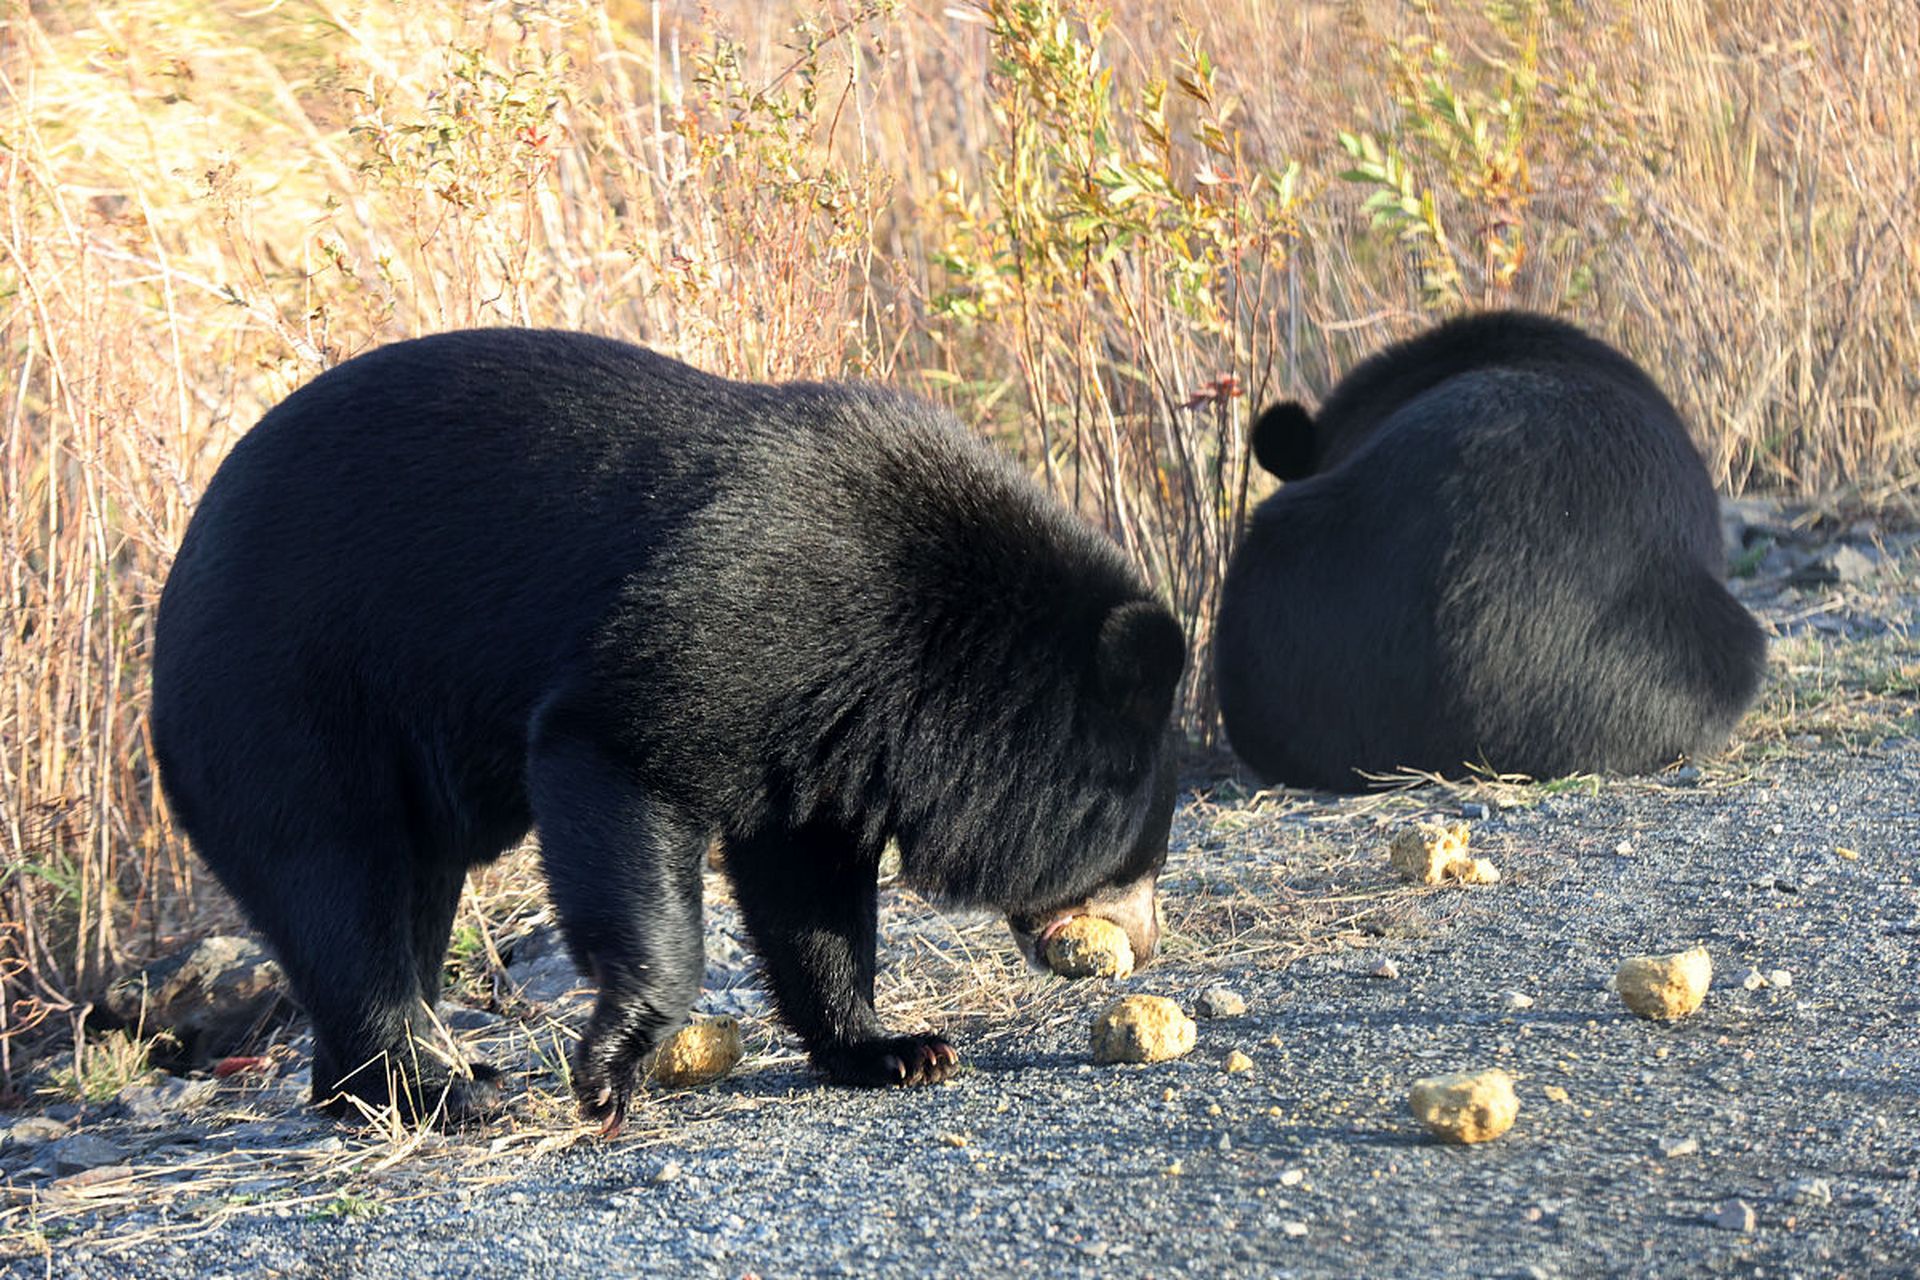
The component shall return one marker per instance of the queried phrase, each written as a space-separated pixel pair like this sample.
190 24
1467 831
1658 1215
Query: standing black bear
473 583
1497 547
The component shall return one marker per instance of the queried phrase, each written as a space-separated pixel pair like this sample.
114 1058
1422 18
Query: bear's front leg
809 898
624 875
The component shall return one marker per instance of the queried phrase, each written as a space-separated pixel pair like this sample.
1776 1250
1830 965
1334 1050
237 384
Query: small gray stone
1840 564
1685 776
159 1101
1734 1215
1780 978
1674 1148
1294 1229
1851 564
1807 1191
1473 810
1624 849
210 995
546 980
1292 1177
31 1131
459 1018
1516 1000
84 1151
1753 980
1220 1002
668 1172
1386 969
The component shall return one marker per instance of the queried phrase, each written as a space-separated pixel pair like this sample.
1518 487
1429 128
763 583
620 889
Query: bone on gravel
1665 987
1470 1106
699 1053
1142 1029
1089 947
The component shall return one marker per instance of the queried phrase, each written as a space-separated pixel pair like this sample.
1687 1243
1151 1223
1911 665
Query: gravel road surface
1637 1145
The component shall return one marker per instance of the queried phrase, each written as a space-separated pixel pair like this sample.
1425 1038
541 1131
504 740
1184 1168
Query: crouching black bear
1496 547
466 585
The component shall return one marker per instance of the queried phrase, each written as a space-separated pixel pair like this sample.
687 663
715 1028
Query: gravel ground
1037 1161
1638 1149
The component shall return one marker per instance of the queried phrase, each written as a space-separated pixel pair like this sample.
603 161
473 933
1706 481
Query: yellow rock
699 1053
1432 852
1142 1029
1665 986
1472 1106
1238 1062
1089 947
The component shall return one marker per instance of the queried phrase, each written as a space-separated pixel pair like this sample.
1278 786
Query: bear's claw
896 1060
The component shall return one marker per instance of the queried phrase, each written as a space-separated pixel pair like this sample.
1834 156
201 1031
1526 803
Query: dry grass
205 204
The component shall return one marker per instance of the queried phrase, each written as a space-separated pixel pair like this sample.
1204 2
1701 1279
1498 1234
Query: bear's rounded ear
1283 440
1142 653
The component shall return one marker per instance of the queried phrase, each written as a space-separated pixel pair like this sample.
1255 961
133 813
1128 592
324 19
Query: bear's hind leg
346 940
624 876
809 899
437 885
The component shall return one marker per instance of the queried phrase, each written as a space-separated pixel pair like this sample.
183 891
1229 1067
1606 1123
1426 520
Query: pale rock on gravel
1469 1106
31 1131
84 1151
699 1053
1220 1002
1142 1029
1807 1191
1665 987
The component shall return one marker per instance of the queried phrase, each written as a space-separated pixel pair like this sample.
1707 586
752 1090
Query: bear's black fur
473 583
1497 548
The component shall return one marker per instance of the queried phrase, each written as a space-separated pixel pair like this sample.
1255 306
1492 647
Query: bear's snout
1134 907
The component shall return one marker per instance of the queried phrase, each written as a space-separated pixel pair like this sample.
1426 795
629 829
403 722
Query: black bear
1497 547
468 585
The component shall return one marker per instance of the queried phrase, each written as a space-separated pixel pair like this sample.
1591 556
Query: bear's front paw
893 1060
605 1072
